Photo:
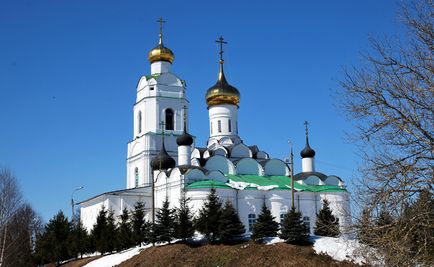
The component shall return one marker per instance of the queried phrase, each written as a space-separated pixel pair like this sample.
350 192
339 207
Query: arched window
219 126
136 177
169 119
230 126
139 121
252 221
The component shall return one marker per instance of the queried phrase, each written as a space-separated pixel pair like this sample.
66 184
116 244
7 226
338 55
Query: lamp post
72 201
291 174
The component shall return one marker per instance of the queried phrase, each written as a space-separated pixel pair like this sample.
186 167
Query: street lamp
72 201
291 174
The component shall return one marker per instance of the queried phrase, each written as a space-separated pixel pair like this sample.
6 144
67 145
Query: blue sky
69 69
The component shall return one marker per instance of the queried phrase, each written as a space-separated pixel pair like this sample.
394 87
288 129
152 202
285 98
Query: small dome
184 140
161 53
222 92
163 160
307 152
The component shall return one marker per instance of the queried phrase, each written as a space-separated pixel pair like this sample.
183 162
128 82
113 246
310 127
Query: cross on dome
161 21
221 41
160 52
162 124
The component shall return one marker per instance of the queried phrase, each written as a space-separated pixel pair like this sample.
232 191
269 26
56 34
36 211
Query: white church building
163 151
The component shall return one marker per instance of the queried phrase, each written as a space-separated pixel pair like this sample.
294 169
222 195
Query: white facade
114 201
184 155
223 121
307 165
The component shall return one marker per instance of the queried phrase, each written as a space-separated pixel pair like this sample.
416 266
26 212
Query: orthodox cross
306 126
162 125
161 21
221 41
185 118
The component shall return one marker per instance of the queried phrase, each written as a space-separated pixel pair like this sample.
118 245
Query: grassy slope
247 254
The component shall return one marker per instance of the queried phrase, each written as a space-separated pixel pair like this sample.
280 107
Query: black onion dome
307 152
184 140
163 160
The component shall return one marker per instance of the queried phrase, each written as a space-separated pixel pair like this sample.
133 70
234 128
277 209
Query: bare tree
18 224
390 99
10 196
20 239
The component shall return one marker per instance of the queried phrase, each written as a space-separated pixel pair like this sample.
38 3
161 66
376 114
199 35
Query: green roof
208 184
256 182
155 76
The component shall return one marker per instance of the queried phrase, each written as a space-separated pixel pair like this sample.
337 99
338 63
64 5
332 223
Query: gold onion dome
161 53
222 92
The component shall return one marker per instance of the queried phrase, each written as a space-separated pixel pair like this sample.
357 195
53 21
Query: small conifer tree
78 241
326 223
265 225
124 229
293 230
138 224
111 233
99 232
184 228
165 224
231 228
52 244
209 217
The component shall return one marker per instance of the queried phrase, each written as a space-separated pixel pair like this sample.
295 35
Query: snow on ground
273 240
117 258
339 248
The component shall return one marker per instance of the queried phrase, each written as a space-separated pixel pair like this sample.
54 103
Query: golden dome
161 53
222 92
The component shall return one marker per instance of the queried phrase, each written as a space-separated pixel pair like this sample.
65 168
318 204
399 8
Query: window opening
219 126
229 126
252 221
169 119
136 176
139 121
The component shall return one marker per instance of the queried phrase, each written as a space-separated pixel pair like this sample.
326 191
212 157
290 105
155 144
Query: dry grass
247 254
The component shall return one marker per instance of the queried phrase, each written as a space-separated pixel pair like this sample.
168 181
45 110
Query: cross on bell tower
161 21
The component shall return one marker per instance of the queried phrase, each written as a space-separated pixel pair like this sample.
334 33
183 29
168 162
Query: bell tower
159 108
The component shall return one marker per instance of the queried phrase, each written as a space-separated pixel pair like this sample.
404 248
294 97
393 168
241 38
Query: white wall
223 113
89 210
307 165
